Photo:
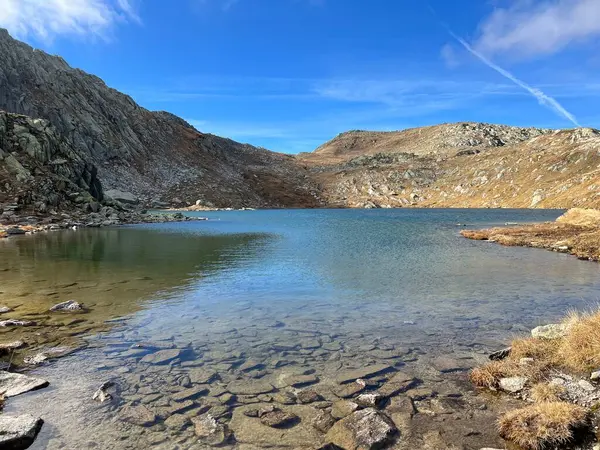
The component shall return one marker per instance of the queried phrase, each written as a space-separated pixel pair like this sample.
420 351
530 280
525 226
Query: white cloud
531 28
46 19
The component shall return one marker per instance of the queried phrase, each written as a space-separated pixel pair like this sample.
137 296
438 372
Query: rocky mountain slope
460 165
155 155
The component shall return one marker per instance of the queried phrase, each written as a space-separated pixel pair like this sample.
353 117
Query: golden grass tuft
490 374
544 392
580 348
542 425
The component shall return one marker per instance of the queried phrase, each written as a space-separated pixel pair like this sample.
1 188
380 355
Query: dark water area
259 297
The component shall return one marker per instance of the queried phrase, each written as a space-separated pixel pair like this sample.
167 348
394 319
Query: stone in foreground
18 432
367 429
12 384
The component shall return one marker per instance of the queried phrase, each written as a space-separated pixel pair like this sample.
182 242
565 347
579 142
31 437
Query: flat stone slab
347 376
251 431
364 429
12 384
247 387
18 432
399 382
161 356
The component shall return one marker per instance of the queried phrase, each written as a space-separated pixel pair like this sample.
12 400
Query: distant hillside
460 165
155 155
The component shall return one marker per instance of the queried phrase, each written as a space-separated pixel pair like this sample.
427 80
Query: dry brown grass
544 392
542 425
490 374
579 351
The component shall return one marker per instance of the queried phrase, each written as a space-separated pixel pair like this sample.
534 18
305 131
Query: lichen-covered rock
550 331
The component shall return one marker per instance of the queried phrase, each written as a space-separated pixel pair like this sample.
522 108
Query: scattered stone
513 384
323 422
402 404
308 396
16 323
68 306
347 376
296 380
550 331
161 356
245 387
370 400
446 364
343 408
5 309
102 395
285 398
138 415
12 384
367 429
209 431
18 432
500 354
399 382
35 360
595 376
351 389
177 421
278 419
201 376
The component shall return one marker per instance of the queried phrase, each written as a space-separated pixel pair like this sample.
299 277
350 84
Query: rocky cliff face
461 165
156 155
42 172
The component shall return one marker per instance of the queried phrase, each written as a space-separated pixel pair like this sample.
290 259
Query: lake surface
260 297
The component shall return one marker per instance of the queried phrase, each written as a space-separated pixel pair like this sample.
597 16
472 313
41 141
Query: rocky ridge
155 155
460 165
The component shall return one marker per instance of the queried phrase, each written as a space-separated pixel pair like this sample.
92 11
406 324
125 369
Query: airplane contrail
544 99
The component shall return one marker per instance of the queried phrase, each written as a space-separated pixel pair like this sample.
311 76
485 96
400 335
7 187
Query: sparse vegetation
545 392
543 425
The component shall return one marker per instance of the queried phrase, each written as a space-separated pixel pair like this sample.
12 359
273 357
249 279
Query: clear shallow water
294 292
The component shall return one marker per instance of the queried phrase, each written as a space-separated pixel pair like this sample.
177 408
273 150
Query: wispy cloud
532 28
46 19
543 98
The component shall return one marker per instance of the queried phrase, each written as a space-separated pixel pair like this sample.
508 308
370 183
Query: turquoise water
257 285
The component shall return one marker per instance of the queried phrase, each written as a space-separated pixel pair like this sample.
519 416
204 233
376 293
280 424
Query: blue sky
291 74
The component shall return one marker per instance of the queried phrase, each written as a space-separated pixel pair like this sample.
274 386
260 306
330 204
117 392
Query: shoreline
577 232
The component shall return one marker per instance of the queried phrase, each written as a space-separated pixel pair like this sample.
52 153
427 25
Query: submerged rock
363 430
68 306
12 384
347 376
500 354
351 389
399 382
245 387
138 415
161 356
5 309
209 431
343 408
18 432
278 419
10 346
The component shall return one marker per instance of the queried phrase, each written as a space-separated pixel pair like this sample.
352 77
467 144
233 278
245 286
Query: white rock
513 384
551 331
69 305
586 385
12 384
595 375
